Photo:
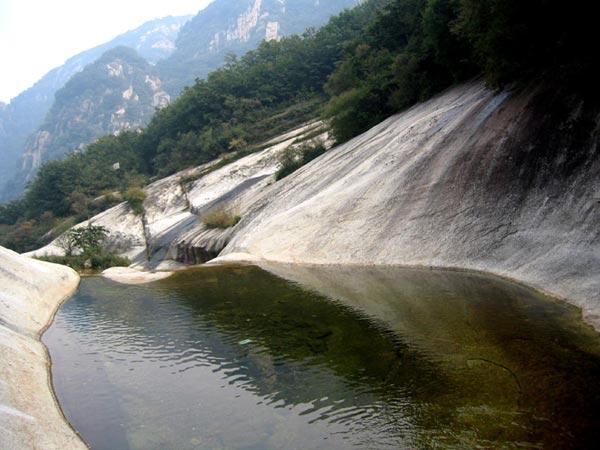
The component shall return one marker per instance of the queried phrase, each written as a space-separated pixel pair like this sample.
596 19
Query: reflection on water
324 358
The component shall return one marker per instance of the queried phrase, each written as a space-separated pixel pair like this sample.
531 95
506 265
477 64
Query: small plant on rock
84 252
84 240
135 196
295 157
220 218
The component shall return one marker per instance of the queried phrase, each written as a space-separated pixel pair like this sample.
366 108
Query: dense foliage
416 48
84 251
253 97
296 156
514 40
205 40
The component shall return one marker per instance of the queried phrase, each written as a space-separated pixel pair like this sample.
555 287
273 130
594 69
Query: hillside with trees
118 92
178 56
416 48
236 27
364 65
154 40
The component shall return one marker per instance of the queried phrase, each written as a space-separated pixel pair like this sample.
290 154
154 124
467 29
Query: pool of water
298 357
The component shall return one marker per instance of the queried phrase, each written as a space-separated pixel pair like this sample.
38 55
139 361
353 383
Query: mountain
153 40
237 26
225 26
120 91
267 91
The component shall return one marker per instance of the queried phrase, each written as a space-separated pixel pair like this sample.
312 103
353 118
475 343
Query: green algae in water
325 357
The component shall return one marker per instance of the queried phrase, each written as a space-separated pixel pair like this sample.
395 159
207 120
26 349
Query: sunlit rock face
30 293
473 178
272 31
242 21
171 229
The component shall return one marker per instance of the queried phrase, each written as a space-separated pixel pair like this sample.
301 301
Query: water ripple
246 360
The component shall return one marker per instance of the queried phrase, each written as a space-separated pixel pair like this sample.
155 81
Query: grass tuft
220 218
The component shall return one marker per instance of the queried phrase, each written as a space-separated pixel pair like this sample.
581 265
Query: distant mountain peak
238 26
19 120
154 40
118 92
137 72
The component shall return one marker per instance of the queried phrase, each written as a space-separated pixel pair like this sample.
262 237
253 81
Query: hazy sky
38 35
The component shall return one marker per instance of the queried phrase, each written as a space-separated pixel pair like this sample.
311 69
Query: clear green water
325 358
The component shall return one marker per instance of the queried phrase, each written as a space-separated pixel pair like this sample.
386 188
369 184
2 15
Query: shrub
135 196
84 252
220 218
11 212
103 261
89 263
295 157
23 236
85 240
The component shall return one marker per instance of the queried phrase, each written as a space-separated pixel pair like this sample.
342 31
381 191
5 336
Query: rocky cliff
33 119
237 26
118 92
153 40
30 293
502 182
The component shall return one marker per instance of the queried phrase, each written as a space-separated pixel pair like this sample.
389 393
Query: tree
86 240
66 242
135 196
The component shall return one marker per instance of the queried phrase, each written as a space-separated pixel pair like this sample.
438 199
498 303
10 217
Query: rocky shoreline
472 179
31 293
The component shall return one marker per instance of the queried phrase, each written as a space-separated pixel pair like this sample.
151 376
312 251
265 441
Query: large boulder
30 293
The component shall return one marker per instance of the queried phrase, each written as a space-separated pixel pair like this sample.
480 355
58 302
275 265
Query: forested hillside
236 27
416 48
202 45
363 66
120 91
153 40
